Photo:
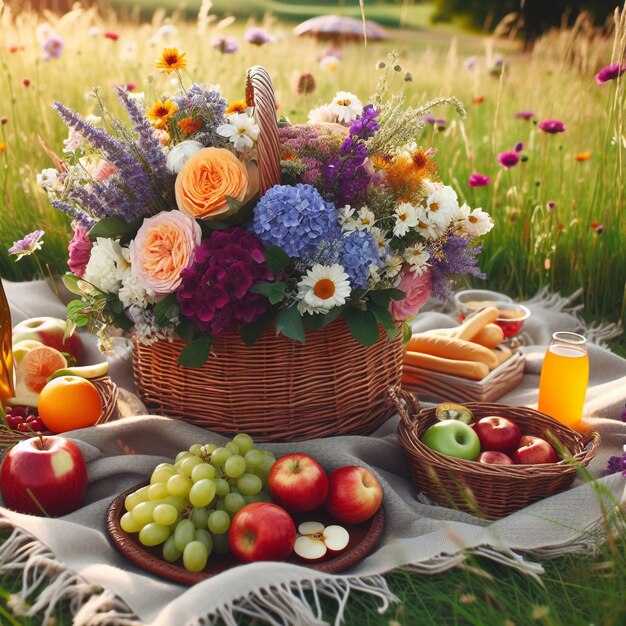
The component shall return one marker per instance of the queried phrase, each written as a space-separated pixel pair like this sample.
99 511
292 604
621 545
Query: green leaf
276 258
250 333
81 320
75 307
166 310
274 292
384 318
187 331
242 213
383 297
363 325
114 228
407 333
196 353
121 321
321 320
71 284
289 323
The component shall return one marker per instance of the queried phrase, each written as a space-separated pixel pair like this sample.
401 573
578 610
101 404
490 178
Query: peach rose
417 289
206 179
165 245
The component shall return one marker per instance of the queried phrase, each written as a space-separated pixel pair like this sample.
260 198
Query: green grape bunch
188 505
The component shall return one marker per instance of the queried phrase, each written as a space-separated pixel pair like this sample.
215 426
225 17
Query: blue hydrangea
359 250
296 218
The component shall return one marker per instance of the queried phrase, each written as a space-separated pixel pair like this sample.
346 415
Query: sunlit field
559 211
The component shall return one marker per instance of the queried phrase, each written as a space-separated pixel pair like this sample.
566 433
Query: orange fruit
37 365
69 402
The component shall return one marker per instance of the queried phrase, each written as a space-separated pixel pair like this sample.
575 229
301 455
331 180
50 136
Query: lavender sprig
78 215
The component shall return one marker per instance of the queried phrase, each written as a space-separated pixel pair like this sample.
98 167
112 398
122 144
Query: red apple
298 483
261 531
43 475
491 457
50 331
534 450
354 494
498 434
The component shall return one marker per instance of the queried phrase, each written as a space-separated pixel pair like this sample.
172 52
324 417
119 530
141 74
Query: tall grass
533 244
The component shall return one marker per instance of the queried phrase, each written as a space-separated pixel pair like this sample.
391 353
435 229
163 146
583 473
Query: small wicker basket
489 491
277 389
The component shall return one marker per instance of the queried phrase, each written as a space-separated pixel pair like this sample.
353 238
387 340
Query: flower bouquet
205 226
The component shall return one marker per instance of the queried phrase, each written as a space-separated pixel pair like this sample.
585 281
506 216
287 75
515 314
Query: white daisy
346 106
406 218
381 239
322 115
417 258
330 62
241 131
365 219
393 265
478 223
344 215
441 206
323 288
430 230
463 212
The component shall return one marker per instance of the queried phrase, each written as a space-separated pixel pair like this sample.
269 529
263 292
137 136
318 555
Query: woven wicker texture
489 491
363 539
260 94
108 392
277 389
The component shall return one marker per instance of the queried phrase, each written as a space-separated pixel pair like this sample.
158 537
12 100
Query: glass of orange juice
564 378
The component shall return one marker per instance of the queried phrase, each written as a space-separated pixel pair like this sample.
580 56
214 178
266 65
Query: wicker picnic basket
277 389
489 491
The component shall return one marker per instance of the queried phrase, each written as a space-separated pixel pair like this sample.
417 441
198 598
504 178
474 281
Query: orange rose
207 178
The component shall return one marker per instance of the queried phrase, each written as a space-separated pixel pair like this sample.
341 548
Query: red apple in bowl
354 494
534 450
492 457
498 434
50 331
261 531
298 483
43 476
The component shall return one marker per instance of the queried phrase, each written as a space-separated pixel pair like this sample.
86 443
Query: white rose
179 154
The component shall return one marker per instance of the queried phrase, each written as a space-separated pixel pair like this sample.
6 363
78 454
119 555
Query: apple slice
316 540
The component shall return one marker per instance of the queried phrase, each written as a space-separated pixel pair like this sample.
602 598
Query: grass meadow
559 213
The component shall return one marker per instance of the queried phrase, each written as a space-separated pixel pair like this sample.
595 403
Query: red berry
13 421
36 424
24 427
22 411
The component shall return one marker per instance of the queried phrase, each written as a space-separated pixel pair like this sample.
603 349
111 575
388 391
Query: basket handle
406 403
593 438
260 95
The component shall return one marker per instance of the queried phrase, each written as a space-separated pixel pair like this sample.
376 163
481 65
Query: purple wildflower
258 36
297 219
226 45
610 72
457 257
551 204
508 159
552 127
215 291
519 146
524 115
52 47
79 251
27 245
345 177
616 464
478 180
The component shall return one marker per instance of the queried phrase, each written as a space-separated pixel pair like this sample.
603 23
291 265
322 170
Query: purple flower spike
610 72
478 180
26 246
524 115
508 159
552 127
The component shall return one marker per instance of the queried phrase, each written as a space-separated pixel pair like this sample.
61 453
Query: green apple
453 438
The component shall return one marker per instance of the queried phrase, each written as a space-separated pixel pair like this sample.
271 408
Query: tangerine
69 402
37 365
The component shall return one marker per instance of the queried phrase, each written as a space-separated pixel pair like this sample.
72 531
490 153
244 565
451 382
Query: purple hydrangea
610 72
359 250
456 258
215 291
297 219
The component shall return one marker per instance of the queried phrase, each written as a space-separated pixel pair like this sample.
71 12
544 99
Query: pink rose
100 170
417 288
79 251
165 245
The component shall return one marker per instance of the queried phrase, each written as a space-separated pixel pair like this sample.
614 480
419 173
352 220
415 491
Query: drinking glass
564 378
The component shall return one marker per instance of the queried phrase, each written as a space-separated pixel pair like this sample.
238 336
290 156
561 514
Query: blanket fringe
46 583
299 603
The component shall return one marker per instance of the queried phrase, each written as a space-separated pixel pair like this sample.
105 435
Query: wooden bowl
363 539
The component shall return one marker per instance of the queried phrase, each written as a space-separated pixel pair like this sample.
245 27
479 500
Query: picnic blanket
104 588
